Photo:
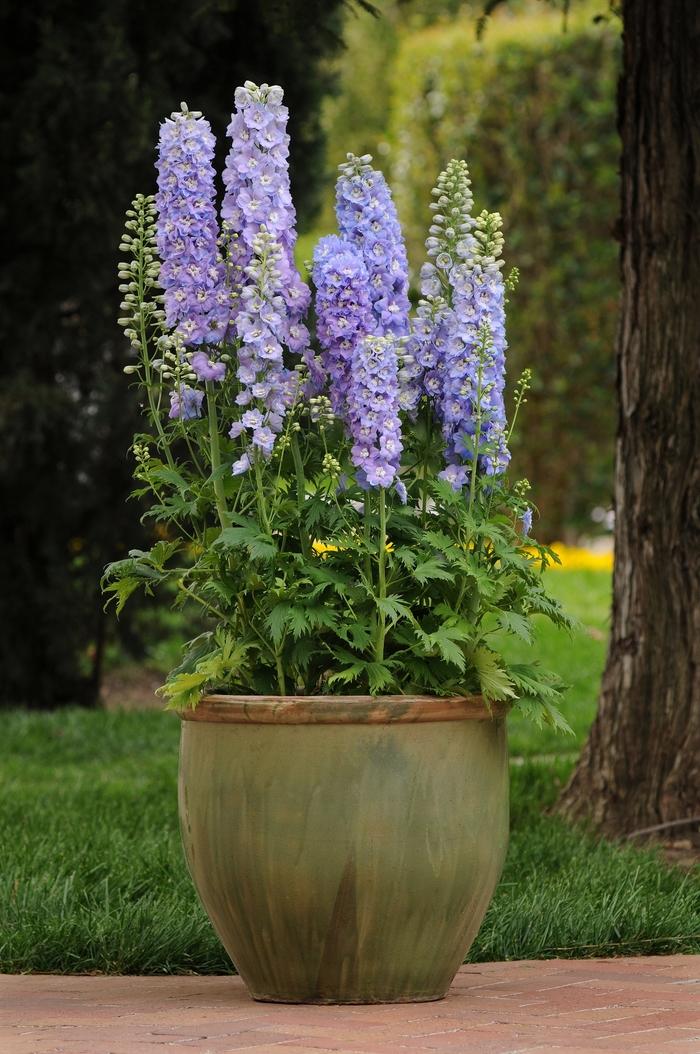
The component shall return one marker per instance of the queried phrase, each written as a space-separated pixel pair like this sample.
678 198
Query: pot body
349 861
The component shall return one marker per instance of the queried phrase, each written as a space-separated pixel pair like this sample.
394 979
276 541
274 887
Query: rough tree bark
641 764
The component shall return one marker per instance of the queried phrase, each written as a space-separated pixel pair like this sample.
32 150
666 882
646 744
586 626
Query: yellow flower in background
578 558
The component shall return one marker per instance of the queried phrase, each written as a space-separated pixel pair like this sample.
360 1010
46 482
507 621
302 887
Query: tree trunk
641 764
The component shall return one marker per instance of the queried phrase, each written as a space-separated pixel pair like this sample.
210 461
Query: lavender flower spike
267 387
197 303
367 217
343 312
450 243
373 412
474 376
257 195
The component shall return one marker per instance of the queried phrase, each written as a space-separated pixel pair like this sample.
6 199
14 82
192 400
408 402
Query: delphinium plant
330 479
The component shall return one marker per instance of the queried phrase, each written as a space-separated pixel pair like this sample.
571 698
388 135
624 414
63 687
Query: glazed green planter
344 848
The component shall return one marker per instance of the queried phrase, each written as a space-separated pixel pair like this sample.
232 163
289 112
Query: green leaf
170 476
321 616
122 590
276 621
493 679
445 641
348 674
358 634
184 690
432 569
394 609
542 713
298 621
530 680
260 546
520 625
379 676
406 556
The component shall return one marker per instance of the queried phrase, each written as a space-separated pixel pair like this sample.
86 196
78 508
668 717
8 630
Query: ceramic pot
344 848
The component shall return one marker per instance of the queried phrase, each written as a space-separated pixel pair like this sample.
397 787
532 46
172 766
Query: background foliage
82 100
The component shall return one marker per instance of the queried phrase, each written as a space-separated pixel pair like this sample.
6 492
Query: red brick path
649 1005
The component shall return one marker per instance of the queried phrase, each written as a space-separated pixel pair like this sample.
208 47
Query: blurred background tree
84 88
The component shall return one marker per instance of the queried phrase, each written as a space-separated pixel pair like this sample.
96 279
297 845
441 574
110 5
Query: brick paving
646 1005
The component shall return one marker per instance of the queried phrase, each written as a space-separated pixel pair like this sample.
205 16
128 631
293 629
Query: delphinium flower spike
473 409
197 303
373 413
343 313
257 194
367 217
450 242
267 387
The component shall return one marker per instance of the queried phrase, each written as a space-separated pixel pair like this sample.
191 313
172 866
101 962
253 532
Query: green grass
93 877
577 658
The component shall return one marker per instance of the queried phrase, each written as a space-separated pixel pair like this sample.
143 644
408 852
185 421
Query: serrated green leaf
122 590
406 556
430 569
379 676
276 621
259 546
348 674
394 609
298 621
493 679
517 624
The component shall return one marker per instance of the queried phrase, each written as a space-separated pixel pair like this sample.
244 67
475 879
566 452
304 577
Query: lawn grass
578 658
93 877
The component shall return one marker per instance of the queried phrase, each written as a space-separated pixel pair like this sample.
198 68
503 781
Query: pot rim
342 709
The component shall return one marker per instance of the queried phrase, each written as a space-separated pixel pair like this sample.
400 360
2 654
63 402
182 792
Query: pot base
358 1001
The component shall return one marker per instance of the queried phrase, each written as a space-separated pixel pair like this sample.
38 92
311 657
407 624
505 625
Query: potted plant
336 506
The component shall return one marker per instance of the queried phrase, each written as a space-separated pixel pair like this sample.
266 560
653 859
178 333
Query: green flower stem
477 437
280 673
215 456
260 494
368 541
207 607
301 494
426 467
381 624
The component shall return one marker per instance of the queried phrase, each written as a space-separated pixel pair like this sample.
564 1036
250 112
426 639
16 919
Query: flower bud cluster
257 194
138 277
367 217
450 239
331 465
373 412
343 313
197 301
321 410
141 456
